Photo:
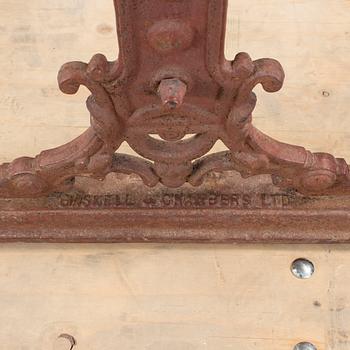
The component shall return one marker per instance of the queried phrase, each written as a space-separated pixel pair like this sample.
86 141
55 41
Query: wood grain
173 297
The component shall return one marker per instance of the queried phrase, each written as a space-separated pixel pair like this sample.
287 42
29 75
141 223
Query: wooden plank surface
174 297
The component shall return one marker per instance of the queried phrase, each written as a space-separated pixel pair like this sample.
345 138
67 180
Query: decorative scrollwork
171 79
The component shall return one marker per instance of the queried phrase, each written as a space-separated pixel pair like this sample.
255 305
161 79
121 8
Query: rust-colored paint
171 79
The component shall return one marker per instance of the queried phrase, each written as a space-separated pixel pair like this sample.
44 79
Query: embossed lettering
182 200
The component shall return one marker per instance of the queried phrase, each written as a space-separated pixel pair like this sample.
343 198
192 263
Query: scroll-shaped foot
291 167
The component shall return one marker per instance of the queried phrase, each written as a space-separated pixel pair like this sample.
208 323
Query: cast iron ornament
172 80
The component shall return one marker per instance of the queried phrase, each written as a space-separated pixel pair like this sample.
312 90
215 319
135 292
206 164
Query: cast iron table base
172 80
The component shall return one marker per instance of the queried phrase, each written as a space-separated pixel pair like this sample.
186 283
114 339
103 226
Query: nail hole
317 303
325 93
70 340
305 346
302 268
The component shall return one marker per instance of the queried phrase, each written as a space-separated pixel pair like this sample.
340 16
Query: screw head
305 346
302 268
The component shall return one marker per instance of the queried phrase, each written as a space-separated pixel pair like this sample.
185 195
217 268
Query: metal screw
303 269
305 346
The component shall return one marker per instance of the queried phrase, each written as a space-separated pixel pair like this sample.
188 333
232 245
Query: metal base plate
224 209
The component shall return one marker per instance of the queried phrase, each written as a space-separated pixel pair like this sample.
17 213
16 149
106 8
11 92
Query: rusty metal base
225 209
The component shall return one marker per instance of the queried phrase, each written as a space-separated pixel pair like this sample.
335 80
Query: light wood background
174 297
